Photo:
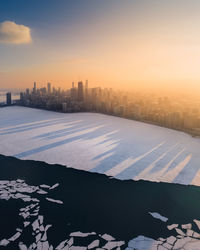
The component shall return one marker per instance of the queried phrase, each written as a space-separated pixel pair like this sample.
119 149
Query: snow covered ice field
114 146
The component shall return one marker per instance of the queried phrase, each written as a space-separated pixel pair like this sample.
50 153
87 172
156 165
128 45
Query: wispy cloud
10 32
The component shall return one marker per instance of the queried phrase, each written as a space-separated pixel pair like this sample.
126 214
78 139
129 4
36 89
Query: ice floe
158 216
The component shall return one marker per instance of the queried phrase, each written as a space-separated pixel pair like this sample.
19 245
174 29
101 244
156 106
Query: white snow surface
100 143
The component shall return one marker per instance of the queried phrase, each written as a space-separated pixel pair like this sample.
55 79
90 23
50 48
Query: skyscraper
80 91
49 88
8 99
86 90
34 88
27 92
73 94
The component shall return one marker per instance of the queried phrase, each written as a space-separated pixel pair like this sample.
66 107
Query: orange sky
134 43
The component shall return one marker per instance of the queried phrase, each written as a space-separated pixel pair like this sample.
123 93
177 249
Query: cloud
11 32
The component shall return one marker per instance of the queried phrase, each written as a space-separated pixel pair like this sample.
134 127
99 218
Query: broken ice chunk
4 182
38 237
94 244
15 236
41 192
189 232
56 201
80 234
62 245
113 244
44 237
4 242
158 216
41 228
186 226
22 246
47 227
197 223
26 223
54 186
78 248
180 232
70 241
44 186
171 240
107 237
40 218
45 245
35 225
170 227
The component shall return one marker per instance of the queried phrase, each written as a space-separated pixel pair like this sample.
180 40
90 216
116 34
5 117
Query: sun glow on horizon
122 45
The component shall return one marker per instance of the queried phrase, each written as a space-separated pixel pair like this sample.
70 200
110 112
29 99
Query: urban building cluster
181 114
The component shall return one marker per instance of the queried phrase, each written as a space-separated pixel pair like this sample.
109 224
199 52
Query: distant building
80 92
49 88
74 94
21 97
27 92
34 88
43 91
86 89
8 99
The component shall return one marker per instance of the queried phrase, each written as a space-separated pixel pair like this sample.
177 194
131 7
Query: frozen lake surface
114 146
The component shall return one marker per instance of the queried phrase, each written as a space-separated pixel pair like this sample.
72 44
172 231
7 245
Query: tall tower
72 84
34 88
27 92
49 88
86 89
8 99
80 91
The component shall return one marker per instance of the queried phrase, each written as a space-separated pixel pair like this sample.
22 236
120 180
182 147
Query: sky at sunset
113 43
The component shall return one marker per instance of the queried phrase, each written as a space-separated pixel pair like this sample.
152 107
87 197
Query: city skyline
181 113
131 44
